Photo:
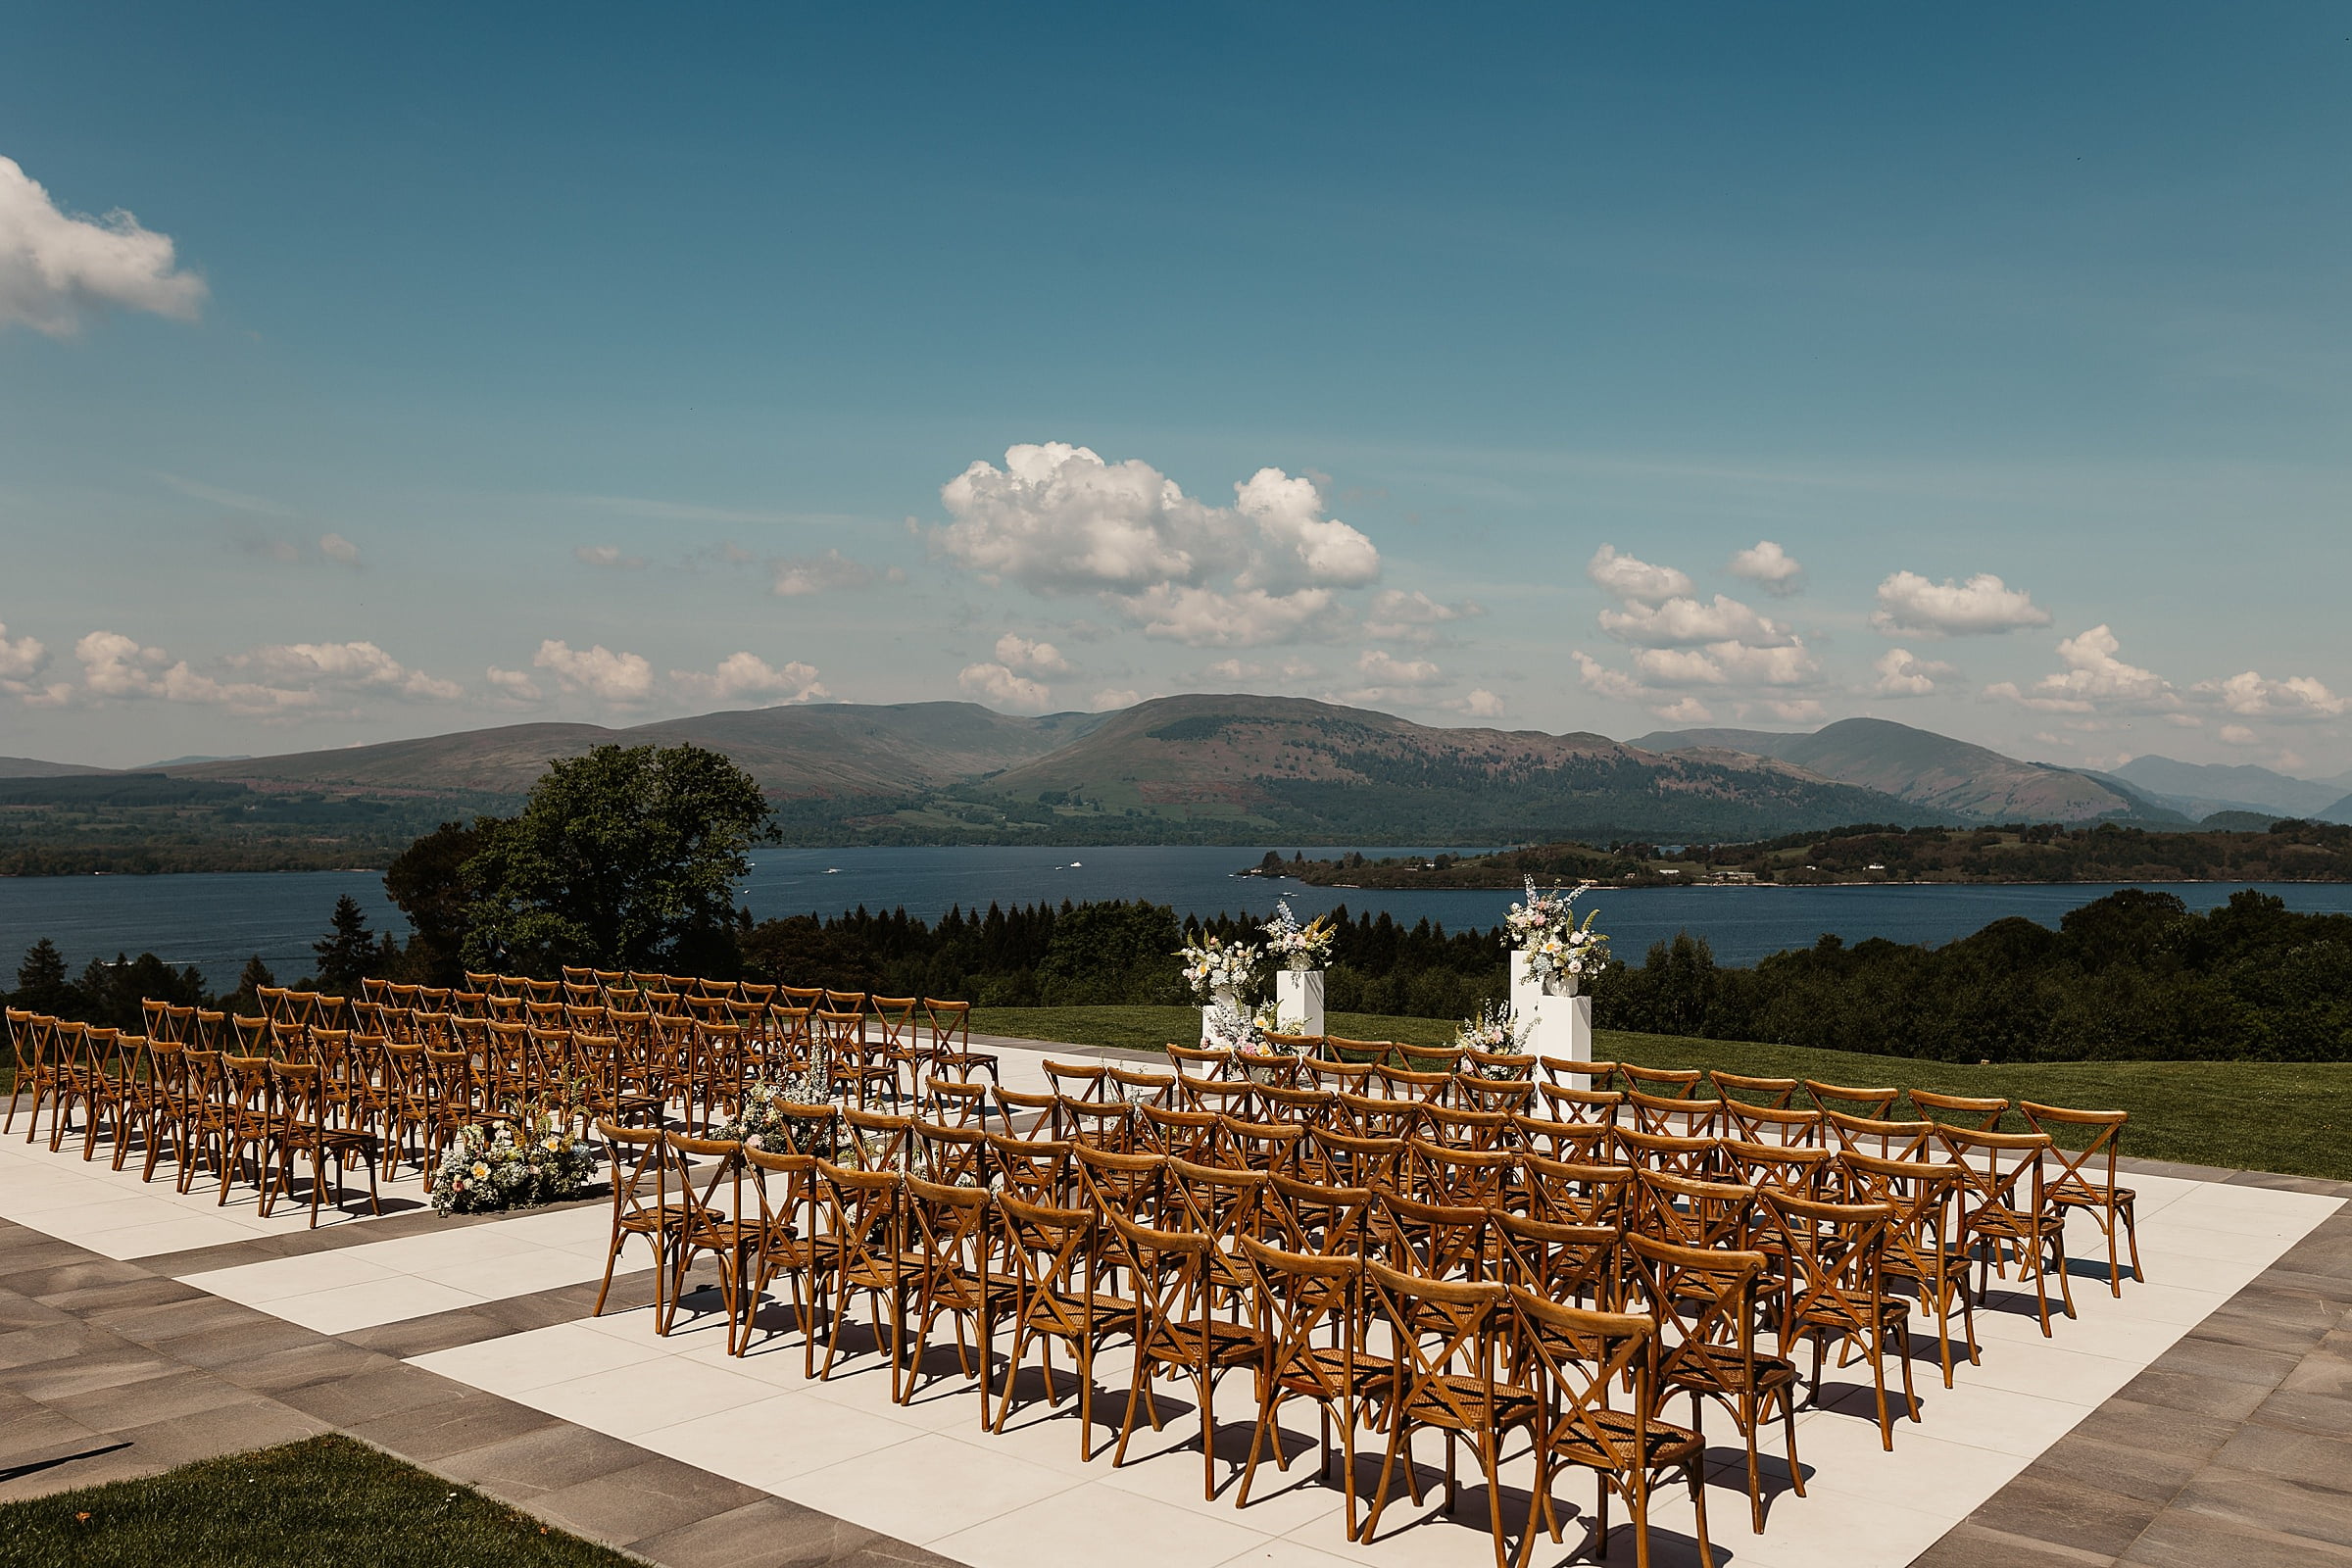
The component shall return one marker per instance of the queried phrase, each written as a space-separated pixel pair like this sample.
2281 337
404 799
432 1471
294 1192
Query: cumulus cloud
1026 655
2093 678
1478 703
1903 673
1794 709
339 550
1730 664
1686 710
59 269
621 679
2251 695
1604 680
21 660
607 558
1000 687
279 679
1382 668
1105 702
1685 623
1058 520
1982 605
797 577
1769 566
1635 581
1246 670
1396 616
513 688
2239 735
746 677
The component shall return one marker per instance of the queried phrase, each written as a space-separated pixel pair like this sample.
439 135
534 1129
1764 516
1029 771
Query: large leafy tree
427 880
625 858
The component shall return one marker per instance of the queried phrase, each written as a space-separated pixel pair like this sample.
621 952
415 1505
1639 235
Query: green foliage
330 1500
41 982
246 999
349 953
1107 952
428 881
2131 975
624 857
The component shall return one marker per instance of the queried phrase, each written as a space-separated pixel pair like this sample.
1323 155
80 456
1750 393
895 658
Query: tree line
629 858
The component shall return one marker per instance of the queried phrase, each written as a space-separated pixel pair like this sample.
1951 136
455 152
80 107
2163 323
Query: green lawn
328 1501
2255 1115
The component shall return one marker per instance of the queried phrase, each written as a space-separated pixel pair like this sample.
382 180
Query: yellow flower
481 1170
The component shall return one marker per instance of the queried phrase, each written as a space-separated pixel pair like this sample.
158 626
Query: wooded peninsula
2287 851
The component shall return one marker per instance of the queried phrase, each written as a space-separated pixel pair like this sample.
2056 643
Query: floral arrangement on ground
760 1122
533 1159
1493 1029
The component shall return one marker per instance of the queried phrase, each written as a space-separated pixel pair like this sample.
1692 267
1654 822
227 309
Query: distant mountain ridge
2202 789
35 768
1930 770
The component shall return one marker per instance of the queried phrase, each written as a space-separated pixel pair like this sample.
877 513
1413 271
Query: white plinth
1298 1001
1222 998
1561 1026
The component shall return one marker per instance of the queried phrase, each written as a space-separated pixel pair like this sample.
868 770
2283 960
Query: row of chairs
1137 1213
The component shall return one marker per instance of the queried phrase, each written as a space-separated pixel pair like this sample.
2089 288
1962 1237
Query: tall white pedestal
1298 1001
1224 999
1560 1026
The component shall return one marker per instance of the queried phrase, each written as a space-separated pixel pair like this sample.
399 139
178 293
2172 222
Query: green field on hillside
2255 1115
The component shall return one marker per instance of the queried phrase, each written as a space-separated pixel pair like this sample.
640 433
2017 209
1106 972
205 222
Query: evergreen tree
348 953
42 985
247 997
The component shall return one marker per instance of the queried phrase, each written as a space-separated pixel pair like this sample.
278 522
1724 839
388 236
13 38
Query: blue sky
613 363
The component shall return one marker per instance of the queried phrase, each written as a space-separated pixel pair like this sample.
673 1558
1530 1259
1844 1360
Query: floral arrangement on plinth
1545 929
1493 1029
760 1124
534 1159
1215 968
1296 946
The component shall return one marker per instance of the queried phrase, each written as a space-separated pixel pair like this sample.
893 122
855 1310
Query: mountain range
1229 769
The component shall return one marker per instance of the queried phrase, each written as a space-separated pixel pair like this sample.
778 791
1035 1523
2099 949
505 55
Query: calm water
214 921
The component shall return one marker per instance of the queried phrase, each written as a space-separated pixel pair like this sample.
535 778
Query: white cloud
21 660
1478 703
287 679
1245 669
1903 673
57 268
1603 680
1685 623
514 687
2184 720
2251 695
339 550
621 679
2239 735
746 677
1795 709
831 572
1729 663
1399 616
1104 701
1000 687
1635 582
345 666
607 556
1058 520
2093 678
1028 657
1686 710
1770 566
1204 618
1980 606
1381 668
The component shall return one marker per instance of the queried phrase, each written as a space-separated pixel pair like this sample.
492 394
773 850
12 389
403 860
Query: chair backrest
1353 1161
1141 1088
1670 1116
1663 1152
1873 1104
1268 1146
1363 1052
1977 1112
1078 1080
1307 1309
950 1156
1557 1261
643 1172
2075 1165
1697 1213
1306 1107
1661 1083
1034 1169
862 1211
1443 1334
1998 1170
1197 1061
1438 1241
1119 1184
1578 1194
1571 1103
1188 1134
874 1142
1770 1124
1833 1252
1888 1140
1703 1300
1776 1093
1369 1117
1444 1174
1777 1167
1580 1360
1315 1216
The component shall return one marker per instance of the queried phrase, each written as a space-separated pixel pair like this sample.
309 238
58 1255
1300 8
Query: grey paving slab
645 1500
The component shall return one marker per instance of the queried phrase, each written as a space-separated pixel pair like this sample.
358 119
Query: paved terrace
2204 1418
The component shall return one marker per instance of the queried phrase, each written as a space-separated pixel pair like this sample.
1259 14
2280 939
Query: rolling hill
35 768
1929 770
830 749
1297 766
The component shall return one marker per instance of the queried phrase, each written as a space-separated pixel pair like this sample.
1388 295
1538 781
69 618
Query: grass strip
2283 1117
328 1499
